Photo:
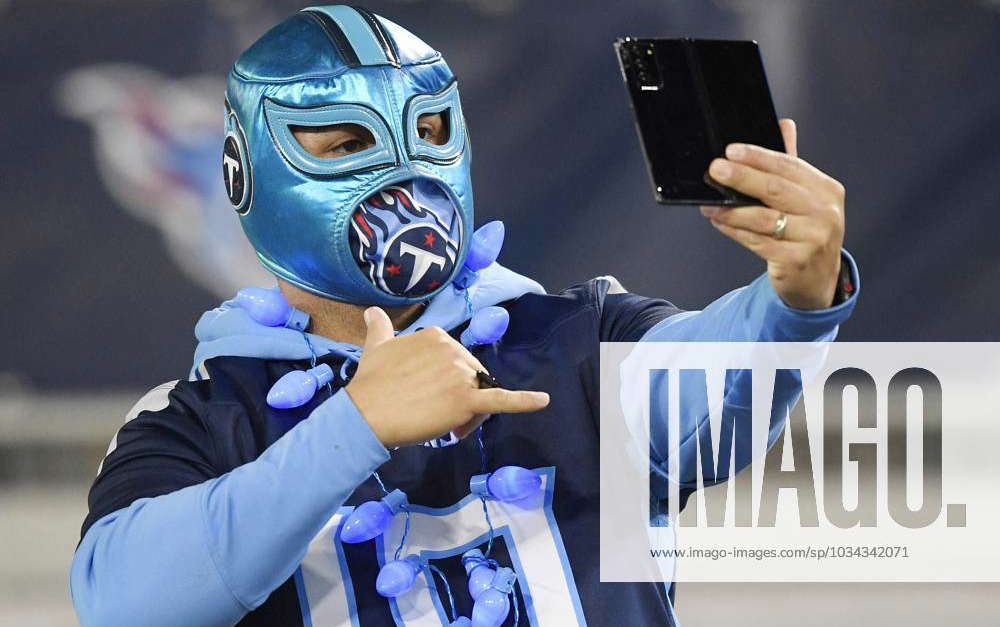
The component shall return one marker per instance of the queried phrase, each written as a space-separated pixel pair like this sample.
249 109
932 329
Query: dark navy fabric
212 426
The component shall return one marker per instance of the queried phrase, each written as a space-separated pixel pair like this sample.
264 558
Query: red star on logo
392 269
429 239
433 284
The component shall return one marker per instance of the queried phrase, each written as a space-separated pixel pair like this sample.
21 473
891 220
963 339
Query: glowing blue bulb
397 576
267 306
371 518
485 246
491 609
484 249
298 386
479 571
487 326
461 621
507 484
493 605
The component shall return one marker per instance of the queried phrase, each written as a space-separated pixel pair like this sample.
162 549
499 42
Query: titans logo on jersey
406 238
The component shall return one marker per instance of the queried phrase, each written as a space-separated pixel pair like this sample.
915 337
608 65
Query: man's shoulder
176 396
214 387
617 314
217 409
588 294
225 375
534 317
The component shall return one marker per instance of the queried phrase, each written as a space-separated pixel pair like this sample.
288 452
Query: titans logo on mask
235 164
232 171
403 247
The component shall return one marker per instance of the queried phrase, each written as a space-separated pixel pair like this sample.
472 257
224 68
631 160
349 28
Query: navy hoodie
212 508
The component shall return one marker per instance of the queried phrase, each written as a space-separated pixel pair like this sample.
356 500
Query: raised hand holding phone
799 229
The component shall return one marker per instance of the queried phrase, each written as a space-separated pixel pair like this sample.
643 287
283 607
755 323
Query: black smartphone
691 98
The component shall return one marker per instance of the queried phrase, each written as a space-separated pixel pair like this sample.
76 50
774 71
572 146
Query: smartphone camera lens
639 59
647 69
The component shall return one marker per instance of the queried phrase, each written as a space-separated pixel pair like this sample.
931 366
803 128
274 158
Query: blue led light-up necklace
490 585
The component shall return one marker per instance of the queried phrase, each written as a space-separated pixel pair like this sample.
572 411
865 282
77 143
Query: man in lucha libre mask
314 468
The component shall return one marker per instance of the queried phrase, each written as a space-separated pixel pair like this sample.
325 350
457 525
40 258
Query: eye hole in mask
361 140
444 111
333 141
434 128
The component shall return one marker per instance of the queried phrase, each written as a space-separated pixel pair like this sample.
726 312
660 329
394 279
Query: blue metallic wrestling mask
389 225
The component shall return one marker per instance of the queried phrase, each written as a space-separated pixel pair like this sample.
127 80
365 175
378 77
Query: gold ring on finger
779 226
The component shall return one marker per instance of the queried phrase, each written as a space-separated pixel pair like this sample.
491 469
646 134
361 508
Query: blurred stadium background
118 233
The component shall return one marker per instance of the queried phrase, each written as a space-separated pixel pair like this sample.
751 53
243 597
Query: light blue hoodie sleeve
209 553
754 313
